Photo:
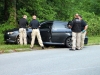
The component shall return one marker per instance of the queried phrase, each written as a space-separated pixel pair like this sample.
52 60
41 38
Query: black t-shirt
34 24
22 23
76 25
83 24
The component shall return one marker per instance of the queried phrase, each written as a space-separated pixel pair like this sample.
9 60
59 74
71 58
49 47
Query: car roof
42 22
52 21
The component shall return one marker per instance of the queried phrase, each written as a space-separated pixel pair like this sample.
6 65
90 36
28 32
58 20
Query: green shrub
3 28
1 38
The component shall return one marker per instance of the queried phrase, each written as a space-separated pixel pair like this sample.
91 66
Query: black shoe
72 49
78 49
42 47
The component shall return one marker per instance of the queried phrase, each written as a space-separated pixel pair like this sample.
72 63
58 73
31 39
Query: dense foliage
12 11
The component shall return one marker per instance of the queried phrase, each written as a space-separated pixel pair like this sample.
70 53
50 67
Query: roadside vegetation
94 40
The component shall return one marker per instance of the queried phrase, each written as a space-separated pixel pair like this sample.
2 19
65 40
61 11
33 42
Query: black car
52 33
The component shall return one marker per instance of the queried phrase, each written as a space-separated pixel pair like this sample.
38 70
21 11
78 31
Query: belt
35 28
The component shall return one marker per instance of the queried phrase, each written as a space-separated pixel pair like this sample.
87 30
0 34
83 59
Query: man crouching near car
22 30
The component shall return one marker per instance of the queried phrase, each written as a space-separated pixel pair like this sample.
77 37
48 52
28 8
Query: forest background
12 10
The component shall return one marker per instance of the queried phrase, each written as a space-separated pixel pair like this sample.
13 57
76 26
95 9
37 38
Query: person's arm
39 24
18 24
85 28
70 24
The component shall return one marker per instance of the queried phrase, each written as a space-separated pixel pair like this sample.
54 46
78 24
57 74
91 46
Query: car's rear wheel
68 42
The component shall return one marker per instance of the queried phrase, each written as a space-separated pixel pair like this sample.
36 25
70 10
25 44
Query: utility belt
22 27
35 28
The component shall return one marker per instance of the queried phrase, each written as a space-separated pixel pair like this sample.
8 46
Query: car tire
17 40
68 42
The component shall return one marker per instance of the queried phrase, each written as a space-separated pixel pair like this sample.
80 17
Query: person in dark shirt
76 33
84 27
22 30
34 24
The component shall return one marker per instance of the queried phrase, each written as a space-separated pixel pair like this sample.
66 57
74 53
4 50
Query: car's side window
59 25
46 26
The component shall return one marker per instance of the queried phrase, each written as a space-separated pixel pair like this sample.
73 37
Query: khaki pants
36 33
82 39
22 36
76 37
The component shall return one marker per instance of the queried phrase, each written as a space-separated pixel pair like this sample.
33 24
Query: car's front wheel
17 40
68 42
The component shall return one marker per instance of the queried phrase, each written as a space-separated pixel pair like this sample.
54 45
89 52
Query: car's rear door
59 31
45 31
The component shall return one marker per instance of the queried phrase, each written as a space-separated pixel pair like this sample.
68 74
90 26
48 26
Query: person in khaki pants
84 27
34 24
22 30
76 32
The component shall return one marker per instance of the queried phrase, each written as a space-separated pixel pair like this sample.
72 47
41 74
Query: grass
18 48
15 48
94 40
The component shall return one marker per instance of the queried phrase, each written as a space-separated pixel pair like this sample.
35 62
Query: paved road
59 61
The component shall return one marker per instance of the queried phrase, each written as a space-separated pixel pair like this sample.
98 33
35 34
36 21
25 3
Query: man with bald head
34 24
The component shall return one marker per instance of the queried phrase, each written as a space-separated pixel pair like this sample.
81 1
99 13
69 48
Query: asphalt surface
59 61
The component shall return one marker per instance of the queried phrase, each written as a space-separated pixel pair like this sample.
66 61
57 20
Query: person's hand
69 26
83 31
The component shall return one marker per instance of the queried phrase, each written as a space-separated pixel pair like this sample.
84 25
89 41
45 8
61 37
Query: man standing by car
34 24
76 33
84 27
22 30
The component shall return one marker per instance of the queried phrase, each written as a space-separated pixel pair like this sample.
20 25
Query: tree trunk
6 14
12 16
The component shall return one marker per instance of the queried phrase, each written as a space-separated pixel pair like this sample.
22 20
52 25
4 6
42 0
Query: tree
12 12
